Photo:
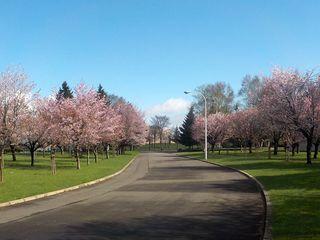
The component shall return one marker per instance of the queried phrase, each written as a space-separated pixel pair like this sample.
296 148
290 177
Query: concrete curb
267 231
48 194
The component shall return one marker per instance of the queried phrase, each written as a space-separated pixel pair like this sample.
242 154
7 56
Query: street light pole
205 126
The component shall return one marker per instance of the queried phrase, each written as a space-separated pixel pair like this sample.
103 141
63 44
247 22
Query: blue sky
150 51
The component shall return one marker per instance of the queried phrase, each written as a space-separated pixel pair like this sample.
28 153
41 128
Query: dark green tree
64 91
186 129
101 92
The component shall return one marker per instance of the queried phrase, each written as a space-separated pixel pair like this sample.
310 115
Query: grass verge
22 180
294 190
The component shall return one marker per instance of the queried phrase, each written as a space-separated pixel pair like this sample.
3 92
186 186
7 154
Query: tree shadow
231 186
167 227
304 181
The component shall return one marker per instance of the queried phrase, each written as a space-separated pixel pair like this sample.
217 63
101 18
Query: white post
205 130
205 126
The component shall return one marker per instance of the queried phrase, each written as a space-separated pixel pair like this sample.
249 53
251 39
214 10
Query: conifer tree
186 129
101 92
64 91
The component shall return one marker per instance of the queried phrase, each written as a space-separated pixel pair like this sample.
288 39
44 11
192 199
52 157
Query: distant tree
101 92
160 123
114 99
134 127
251 91
220 98
153 135
65 91
186 129
176 136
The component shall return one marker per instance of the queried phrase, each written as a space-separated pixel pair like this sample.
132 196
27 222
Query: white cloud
174 108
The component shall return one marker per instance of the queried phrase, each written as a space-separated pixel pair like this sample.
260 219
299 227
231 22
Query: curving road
160 196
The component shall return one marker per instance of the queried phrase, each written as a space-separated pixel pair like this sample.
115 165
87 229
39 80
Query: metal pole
205 130
205 126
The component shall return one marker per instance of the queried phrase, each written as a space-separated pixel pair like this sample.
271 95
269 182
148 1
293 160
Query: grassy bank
21 180
294 190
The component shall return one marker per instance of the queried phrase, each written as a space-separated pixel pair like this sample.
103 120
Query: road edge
267 228
56 192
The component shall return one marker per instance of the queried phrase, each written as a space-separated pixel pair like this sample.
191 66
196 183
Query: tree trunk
77 158
298 150
123 150
88 156
212 148
250 146
53 161
293 147
43 152
269 150
95 153
107 152
286 151
309 146
316 150
1 164
32 153
13 152
275 146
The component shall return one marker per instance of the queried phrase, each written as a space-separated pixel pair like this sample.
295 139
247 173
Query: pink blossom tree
135 129
34 131
49 114
79 118
246 127
217 129
293 99
15 92
110 126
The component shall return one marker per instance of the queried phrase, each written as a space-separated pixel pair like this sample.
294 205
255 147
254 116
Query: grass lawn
172 147
294 190
22 180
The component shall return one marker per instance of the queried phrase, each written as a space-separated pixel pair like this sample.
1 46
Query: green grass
294 190
172 147
22 180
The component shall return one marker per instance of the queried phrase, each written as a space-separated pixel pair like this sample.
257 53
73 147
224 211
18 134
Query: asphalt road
160 196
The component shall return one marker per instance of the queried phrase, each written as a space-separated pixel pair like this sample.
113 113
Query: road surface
160 196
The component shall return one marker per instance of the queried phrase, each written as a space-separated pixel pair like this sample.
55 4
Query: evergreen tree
176 135
186 129
64 91
101 92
